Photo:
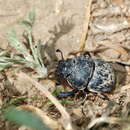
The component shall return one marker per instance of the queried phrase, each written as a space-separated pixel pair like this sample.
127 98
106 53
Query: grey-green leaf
26 118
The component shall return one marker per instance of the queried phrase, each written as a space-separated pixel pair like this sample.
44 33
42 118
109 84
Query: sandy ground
59 25
48 14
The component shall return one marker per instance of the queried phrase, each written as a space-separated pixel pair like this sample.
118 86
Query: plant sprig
33 59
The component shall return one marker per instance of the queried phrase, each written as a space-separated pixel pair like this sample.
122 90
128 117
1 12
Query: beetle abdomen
103 79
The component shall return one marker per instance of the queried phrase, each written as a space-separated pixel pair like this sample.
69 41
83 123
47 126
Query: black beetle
85 73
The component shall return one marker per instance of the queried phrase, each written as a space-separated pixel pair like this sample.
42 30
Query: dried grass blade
65 119
116 47
85 26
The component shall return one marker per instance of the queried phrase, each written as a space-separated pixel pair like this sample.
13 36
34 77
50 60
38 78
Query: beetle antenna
58 50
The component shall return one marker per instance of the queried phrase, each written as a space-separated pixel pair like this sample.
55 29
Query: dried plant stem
110 120
65 119
86 23
116 47
125 87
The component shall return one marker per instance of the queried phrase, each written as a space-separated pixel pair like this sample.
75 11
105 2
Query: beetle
85 73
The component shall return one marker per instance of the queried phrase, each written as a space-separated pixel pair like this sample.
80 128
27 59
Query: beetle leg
66 94
103 96
74 53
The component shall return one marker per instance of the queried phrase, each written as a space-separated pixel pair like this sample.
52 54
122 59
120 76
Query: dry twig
110 120
86 23
116 47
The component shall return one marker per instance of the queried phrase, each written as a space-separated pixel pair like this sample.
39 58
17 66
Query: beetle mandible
85 73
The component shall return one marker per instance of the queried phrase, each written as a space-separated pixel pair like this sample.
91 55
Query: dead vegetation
106 35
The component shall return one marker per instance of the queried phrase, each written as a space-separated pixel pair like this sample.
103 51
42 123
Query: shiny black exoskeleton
85 73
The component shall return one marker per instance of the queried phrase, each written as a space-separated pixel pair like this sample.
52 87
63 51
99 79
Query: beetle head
63 68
